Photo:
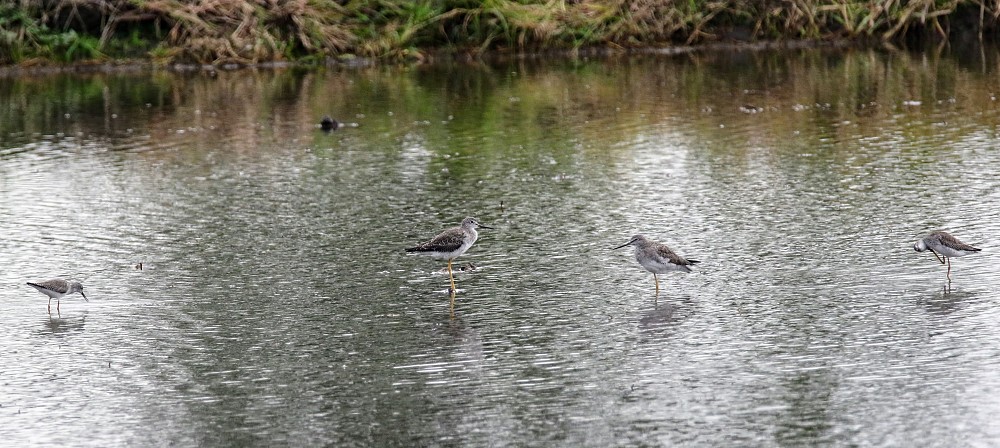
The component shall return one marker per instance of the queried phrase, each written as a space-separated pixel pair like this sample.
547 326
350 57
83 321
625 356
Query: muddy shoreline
145 65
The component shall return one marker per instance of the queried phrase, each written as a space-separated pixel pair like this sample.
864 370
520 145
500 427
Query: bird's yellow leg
453 289
451 276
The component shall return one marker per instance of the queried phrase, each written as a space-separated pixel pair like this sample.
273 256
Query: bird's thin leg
657 281
57 304
50 305
949 267
938 258
452 276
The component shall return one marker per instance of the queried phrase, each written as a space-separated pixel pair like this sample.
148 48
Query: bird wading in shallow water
947 246
57 289
657 258
449 245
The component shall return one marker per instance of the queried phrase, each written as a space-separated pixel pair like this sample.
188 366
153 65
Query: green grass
243 31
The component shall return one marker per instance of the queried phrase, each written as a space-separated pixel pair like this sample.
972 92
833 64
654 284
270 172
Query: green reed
241 31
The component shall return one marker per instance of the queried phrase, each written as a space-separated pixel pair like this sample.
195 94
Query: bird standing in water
449 245
947 246
657 258
58 288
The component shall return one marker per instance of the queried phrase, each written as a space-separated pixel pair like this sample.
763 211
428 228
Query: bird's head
472 223
77 287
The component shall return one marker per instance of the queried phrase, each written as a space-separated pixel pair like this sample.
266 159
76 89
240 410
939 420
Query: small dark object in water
469 267
139 266
328 124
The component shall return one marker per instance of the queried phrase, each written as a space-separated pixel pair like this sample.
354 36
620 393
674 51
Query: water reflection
806 416
665 314
276 305
947 299
64 325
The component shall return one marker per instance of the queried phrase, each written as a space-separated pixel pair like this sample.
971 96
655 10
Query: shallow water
275 305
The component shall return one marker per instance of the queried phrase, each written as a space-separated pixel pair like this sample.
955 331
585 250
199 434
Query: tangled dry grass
247 31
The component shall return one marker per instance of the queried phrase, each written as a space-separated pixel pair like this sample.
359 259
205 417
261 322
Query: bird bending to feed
657 258
947 246
450 244
58 288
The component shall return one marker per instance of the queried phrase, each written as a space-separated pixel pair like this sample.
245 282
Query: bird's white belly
49 292
657 267
950 252
455 253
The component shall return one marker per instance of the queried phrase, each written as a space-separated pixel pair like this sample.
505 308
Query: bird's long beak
485 227
623 245
84 296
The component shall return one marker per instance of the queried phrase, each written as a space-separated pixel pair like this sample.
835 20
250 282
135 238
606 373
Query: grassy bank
243 31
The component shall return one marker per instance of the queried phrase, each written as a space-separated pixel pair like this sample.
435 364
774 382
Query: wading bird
58 288
947 246
657 258
449 245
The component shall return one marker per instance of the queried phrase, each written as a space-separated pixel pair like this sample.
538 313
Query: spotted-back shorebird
657 258
947 246
449 245
57 288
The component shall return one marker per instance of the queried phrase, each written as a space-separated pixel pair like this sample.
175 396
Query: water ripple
275 303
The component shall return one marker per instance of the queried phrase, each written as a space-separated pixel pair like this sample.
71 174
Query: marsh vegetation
314 31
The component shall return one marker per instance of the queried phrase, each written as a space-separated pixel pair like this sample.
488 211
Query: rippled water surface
276 307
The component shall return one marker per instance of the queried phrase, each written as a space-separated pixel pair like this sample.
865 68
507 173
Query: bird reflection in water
662 318
63 326
948 300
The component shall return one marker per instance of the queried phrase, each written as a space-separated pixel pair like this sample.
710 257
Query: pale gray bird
58 288
657 258
451 244
947 246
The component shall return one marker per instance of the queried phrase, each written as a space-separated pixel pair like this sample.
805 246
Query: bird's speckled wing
57 285
447 241
668 254
948 240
